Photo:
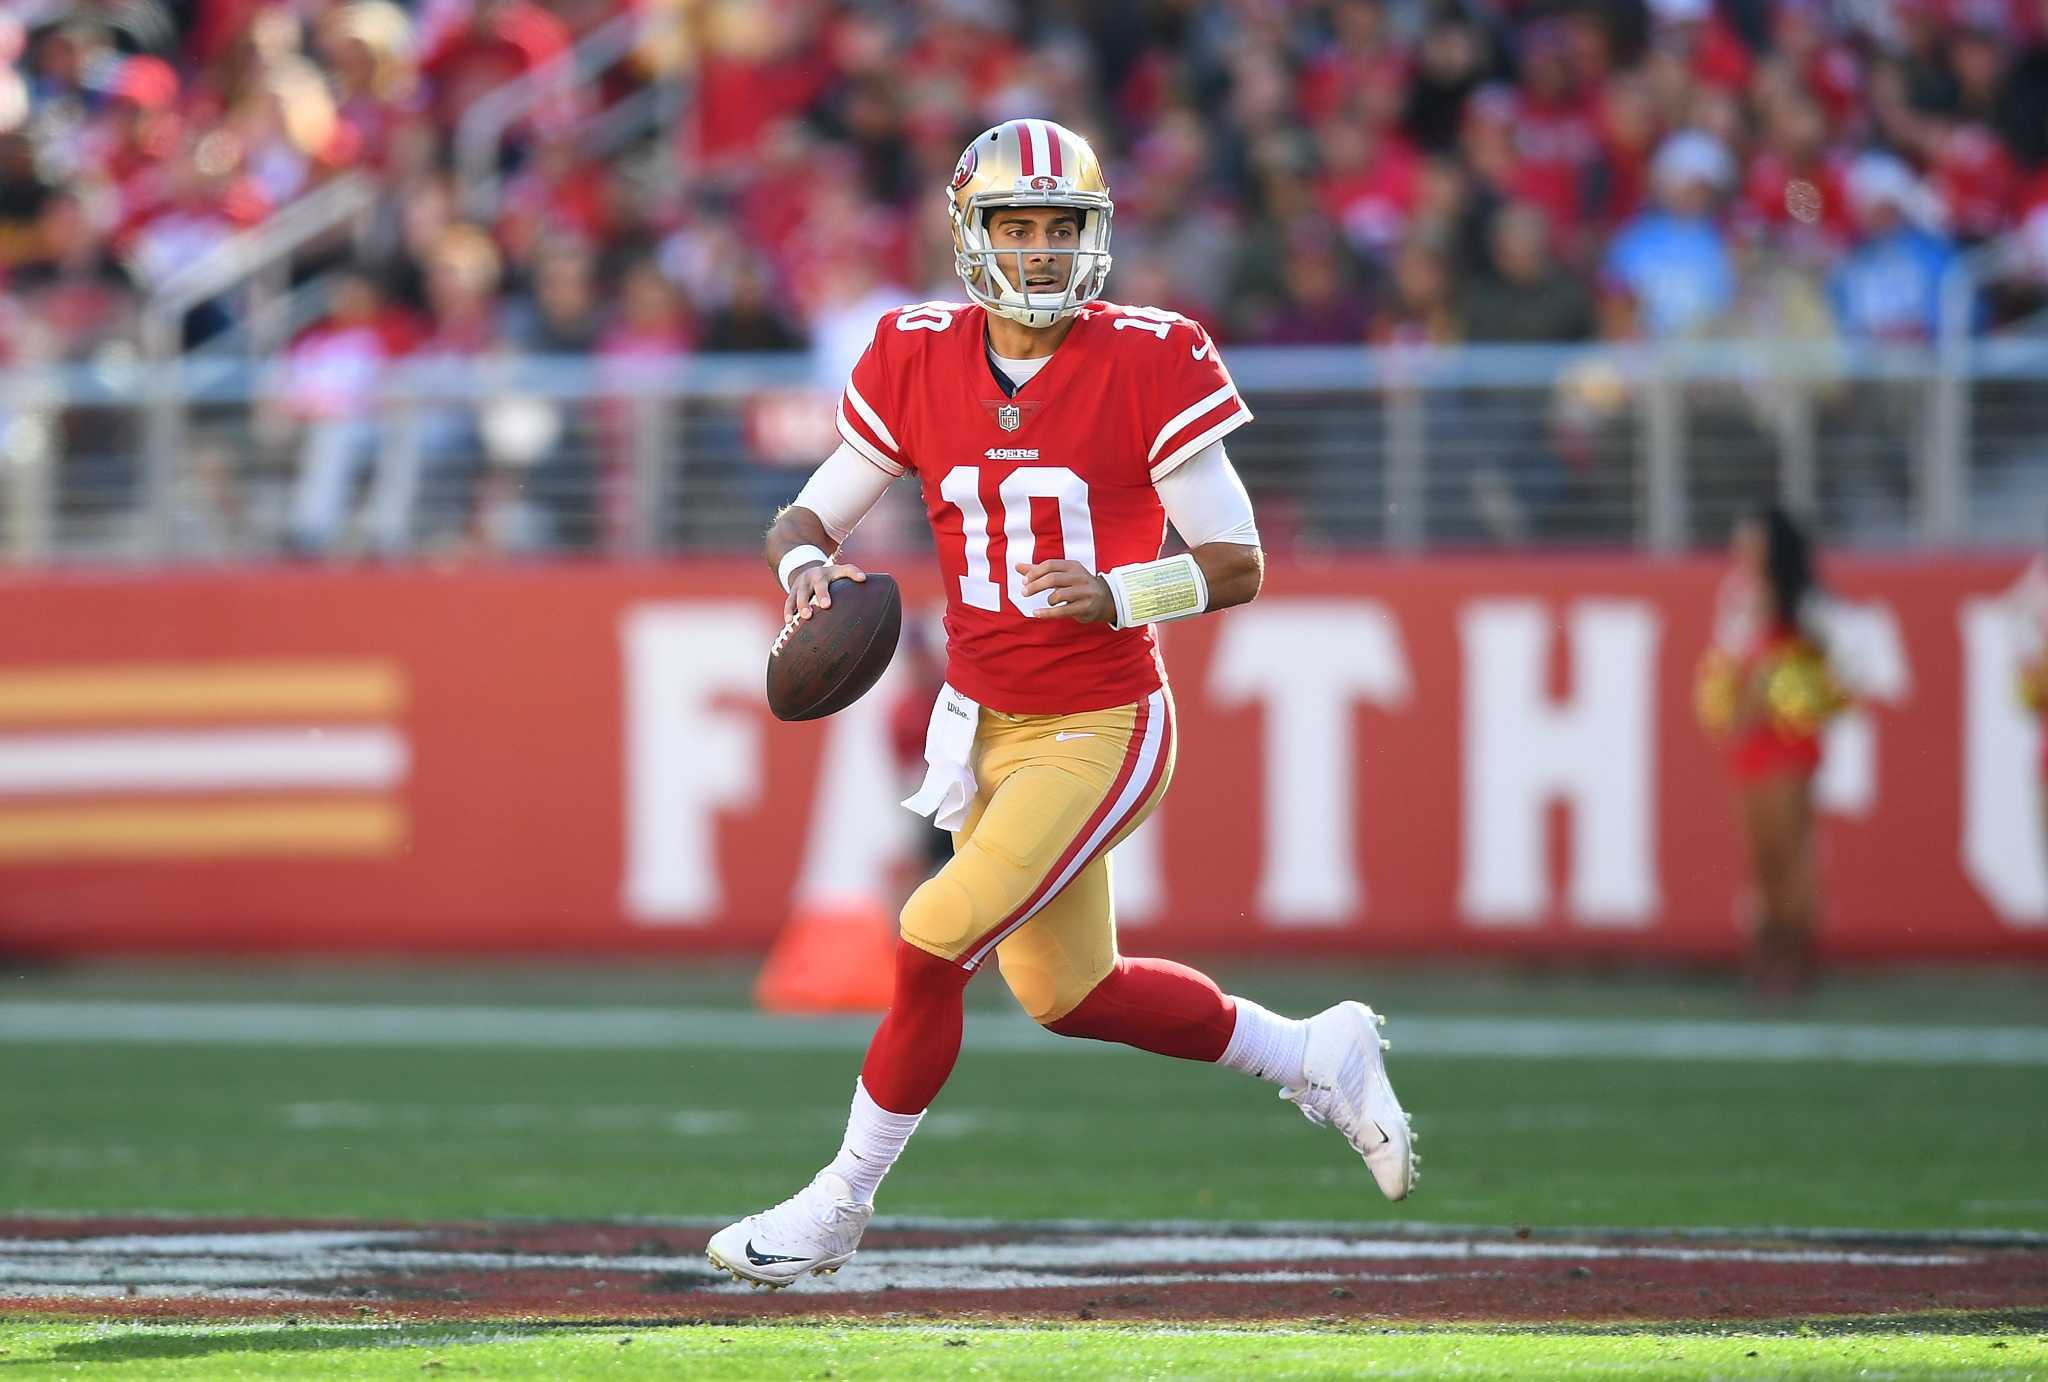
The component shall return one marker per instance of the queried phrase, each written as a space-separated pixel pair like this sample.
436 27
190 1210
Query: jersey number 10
961 488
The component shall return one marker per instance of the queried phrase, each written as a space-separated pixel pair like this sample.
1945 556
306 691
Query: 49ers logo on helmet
965 170
1042 183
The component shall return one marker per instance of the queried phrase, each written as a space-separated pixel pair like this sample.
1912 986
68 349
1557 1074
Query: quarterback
1053 436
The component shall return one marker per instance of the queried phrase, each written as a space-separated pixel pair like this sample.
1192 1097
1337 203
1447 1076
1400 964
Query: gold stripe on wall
200 690
213 830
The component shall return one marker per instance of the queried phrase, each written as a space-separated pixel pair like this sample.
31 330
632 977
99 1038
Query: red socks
1154 1005
914 1049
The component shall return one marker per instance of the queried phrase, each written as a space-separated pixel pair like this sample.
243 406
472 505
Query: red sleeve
867 409
1193 403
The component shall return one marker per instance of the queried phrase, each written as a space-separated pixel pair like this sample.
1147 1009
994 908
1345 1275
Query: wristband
1153 592
792 559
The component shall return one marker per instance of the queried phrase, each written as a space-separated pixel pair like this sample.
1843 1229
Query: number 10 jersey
1065 467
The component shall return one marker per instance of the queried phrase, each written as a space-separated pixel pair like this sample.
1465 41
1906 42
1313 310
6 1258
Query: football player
1053 435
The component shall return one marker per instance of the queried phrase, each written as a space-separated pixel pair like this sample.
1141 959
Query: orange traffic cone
834 955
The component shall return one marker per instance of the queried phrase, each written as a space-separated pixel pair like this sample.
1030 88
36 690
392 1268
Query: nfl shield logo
1009 417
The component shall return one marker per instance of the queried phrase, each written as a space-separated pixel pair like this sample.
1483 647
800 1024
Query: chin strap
1154 592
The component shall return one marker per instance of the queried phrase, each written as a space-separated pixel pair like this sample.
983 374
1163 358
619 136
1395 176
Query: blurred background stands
352 277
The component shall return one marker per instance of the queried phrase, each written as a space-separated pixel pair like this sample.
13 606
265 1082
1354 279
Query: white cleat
1348 1089
813 1231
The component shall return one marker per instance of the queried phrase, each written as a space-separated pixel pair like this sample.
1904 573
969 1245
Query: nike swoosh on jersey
763 1259
1202 350
1064 735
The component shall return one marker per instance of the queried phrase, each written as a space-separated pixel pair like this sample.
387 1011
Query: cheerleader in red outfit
1764 691
2028 603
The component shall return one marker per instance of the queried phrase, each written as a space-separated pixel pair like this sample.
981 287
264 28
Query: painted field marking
647 1028
314 1264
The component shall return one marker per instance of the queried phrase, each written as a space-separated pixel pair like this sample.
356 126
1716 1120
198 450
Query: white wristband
1153 592
795 557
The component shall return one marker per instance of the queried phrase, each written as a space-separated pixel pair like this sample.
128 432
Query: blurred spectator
1451 63
1619 181
1796 191
1525 297
1556 124
1319 295
1668 271
2022 109
479 45
366 50
23 193
1888 288
1371 183
330 391
749 319
200 199
549 498
652 327
1973 176
76 294
1419 309
558 195
439 462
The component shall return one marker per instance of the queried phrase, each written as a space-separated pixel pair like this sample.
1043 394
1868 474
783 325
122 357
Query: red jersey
1065 468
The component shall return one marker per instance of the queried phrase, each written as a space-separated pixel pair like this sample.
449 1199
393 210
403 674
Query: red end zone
175 1269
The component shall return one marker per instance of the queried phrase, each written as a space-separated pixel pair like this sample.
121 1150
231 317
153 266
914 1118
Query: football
825 663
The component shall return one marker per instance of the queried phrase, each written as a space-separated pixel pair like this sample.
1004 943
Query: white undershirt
1020 372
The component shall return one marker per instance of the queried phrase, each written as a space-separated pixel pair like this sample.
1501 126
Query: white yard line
646 1028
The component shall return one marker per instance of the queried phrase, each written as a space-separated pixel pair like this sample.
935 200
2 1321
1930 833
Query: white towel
948 788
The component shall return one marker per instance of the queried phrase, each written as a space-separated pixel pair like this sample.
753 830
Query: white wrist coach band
1153 592
795 557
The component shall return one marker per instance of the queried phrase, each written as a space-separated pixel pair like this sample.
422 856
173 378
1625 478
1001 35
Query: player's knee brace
939 917
1047 991
1036 991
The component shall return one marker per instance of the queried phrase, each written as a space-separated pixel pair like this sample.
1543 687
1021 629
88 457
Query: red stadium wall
1445 756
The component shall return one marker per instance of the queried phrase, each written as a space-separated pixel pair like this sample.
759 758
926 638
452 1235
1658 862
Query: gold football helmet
1028 163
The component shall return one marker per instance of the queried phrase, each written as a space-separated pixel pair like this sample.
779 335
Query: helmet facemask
995 277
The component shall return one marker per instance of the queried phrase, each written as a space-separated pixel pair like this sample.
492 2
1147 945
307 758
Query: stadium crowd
1362 169
1348 170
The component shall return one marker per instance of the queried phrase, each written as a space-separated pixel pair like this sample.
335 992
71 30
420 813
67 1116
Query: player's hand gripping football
810 589
1073 591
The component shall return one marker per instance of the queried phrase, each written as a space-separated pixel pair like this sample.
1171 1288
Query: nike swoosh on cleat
763 1259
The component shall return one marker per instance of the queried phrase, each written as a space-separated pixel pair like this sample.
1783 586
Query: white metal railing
261 254
1398 448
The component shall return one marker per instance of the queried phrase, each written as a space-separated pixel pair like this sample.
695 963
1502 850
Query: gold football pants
1029 877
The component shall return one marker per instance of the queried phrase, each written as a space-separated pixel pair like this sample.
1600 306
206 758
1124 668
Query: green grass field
881 1355
1031 1128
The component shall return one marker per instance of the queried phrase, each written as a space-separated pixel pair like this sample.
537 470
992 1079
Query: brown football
825 663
